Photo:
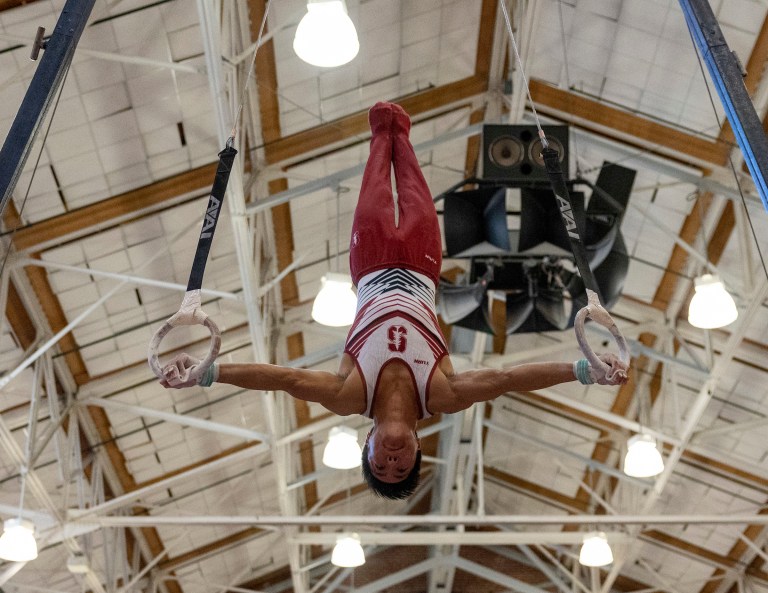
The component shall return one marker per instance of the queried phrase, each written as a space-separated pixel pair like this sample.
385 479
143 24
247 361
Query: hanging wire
564 47
730 161
544 142
339 190
34 169
250 74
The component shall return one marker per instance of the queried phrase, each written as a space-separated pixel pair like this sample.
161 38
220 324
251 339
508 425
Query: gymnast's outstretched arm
478 385
315 386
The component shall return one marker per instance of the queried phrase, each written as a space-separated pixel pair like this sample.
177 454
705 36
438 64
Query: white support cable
746 252
741 427
690 250
5 281
529 20
526 87
115 57
127 278
140 61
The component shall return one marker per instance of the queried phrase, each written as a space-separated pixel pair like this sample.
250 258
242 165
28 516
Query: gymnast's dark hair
395 490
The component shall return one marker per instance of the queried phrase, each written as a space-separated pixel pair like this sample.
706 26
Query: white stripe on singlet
396 291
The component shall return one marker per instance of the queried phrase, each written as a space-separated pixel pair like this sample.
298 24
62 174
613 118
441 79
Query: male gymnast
395 368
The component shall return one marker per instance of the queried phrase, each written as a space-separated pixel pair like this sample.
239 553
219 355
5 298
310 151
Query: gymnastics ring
190 313
595 311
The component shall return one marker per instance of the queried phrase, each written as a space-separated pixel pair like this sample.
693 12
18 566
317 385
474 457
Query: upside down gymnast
395 368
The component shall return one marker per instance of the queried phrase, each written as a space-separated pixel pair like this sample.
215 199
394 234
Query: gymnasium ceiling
223 490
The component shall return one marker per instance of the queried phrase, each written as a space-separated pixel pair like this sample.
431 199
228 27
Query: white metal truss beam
401 575
453 536
16 456
86 518
181 419
128 498
495 576
211 15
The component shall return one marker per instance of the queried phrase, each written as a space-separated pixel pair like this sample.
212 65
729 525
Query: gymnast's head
392 460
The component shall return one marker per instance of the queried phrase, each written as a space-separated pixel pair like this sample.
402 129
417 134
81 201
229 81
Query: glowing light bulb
326 36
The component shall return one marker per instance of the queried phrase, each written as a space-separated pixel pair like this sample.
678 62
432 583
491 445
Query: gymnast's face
392 448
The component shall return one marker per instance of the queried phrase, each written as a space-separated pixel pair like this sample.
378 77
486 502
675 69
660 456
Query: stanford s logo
397 336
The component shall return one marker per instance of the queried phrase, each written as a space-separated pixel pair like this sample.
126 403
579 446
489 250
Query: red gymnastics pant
376 242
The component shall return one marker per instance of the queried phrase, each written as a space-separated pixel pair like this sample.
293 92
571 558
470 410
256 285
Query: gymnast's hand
176 372
616 376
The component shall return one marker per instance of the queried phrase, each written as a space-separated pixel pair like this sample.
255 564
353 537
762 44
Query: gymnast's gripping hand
617 375
176 372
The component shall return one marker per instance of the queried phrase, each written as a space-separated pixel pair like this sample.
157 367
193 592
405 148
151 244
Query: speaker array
512 153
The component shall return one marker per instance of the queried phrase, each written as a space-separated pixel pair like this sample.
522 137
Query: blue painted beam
726 73
46 81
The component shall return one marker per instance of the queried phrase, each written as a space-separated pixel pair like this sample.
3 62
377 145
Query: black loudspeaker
512 153
540 220
605 210
475 222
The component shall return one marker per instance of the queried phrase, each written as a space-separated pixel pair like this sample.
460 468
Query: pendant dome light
595 550
326 36
336 303
17 544
348 552
342 450
643 459
711 306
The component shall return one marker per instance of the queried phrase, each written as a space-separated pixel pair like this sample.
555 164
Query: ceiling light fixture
643 459
336 302
17 544
711 306
595 550
342 450
326 36
348 552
